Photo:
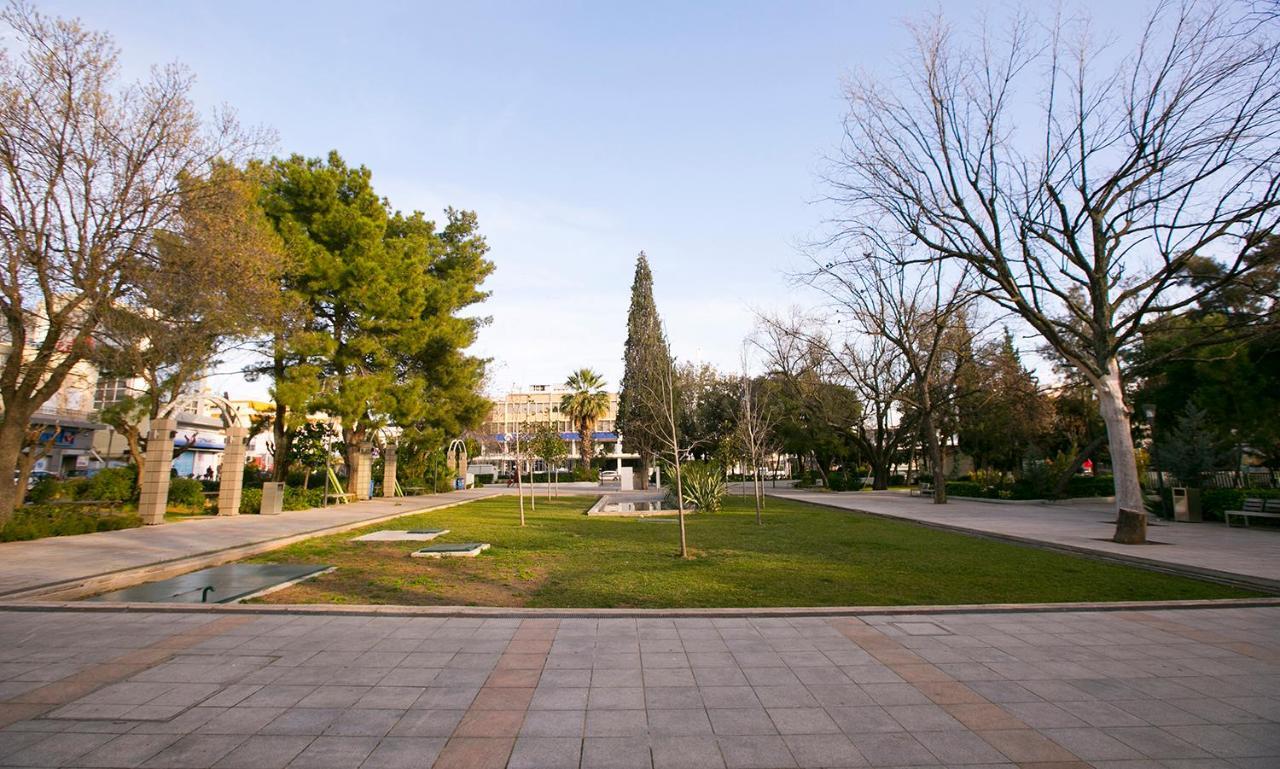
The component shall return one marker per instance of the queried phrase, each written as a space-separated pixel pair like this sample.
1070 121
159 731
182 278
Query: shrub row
1078 486
1213 502
845 480
36 521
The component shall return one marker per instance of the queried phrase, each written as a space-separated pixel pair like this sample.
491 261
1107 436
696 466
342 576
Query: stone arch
154 495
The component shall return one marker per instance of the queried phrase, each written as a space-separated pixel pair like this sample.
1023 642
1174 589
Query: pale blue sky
581 133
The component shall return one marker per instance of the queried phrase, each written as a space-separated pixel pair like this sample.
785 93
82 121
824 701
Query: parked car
607 476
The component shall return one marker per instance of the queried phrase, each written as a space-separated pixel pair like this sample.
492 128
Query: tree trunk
1060 485
755 488
935 459
879 476
684 547
1124 464
282 437
13 435
586 445
643 481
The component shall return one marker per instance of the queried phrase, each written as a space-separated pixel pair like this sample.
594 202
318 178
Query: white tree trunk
1124 465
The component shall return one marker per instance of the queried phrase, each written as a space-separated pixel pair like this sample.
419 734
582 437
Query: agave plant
703 484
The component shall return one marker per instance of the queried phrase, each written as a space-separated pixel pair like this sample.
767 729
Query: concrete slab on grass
400 535
220 584
459 550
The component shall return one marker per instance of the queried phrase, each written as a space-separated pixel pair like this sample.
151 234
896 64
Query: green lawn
803 556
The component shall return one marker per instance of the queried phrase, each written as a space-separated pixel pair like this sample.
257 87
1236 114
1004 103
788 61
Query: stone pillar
389 471
231 480
154 492
362 472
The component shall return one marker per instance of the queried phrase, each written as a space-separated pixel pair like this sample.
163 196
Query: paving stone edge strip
605 613
54 694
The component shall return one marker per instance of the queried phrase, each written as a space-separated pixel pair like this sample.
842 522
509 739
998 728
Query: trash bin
272 498
1186 504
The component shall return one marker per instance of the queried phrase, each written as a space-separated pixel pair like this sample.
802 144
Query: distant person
208 473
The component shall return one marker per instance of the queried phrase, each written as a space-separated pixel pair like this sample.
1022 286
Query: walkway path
1134 689
1250 555
70 566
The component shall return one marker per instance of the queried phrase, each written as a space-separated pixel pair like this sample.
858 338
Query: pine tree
645 352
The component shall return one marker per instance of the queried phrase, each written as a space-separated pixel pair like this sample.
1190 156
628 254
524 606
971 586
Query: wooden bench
1254 508
341 496
924 489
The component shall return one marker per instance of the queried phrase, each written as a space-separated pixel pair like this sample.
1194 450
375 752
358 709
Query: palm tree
584 404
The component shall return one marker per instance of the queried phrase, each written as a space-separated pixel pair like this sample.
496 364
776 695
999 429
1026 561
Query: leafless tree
819 362
754 431
1076 182
659 395
89 171
916 309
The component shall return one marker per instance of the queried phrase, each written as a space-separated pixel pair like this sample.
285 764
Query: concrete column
362 472
154 493
389 471
231 481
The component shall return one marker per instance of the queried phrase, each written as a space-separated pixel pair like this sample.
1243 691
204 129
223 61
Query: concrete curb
121 578
1210 575
496 612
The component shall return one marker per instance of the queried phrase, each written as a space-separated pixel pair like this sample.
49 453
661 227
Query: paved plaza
1250 554
1134 689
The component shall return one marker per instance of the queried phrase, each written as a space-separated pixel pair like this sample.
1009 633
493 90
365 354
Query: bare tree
659 395
1079 210
820 362
754 432
210 285
89 170
916 309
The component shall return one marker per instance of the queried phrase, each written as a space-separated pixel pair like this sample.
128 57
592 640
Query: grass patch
804 555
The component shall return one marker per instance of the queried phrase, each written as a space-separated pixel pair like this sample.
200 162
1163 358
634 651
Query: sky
580 133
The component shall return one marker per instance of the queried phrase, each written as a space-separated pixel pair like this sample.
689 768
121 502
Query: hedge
1214 501
36 521
186 491
1078 486
842 480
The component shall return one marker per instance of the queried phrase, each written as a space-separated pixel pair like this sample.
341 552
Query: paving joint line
55 694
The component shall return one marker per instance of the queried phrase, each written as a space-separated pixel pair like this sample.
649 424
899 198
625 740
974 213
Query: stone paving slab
1247 556
1138 688
70 566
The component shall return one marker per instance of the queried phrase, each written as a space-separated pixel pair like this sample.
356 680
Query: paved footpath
1250 554
1133 689
70 563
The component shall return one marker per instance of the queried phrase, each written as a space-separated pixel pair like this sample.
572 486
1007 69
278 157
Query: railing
1252 478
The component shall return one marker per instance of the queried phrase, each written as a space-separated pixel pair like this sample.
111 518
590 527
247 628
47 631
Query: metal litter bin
272 498
1186 504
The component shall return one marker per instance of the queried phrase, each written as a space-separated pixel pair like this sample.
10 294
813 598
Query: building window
110 391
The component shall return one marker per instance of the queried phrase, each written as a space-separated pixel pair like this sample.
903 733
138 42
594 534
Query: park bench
924 489
339 496
1254 508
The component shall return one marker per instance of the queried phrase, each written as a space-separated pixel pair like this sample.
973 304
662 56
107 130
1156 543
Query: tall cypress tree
637 419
